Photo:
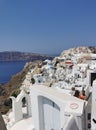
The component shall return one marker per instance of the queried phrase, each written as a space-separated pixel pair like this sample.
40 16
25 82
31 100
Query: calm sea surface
9 68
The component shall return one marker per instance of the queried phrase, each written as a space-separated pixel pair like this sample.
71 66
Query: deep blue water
9 68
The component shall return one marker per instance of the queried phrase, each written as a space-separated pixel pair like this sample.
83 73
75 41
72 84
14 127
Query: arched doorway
51 117
24 107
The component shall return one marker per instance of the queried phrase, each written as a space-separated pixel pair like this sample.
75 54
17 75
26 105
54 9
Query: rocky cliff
12 88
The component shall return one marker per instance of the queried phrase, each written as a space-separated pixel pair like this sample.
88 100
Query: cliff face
17 56
12 88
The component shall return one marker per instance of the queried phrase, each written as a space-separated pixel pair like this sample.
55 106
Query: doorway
51 115
93 77
24 107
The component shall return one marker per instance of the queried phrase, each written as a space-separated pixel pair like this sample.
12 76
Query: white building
53 110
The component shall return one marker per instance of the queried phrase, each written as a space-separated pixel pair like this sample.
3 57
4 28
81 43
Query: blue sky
47 26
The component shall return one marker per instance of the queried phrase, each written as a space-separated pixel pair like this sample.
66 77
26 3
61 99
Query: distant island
22 56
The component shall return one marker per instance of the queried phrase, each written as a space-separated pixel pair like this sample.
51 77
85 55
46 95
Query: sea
9 68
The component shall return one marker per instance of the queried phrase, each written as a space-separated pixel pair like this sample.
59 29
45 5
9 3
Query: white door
51 115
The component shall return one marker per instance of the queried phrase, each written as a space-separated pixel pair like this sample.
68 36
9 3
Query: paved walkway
25 124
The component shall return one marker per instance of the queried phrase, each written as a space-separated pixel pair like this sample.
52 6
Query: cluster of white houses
50 101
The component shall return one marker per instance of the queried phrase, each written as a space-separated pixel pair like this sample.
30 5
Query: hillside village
65 81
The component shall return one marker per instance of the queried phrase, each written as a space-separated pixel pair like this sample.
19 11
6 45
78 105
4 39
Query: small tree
15 93
32 80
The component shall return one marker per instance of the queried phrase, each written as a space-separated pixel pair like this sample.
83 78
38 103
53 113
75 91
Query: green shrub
15 93
32 80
